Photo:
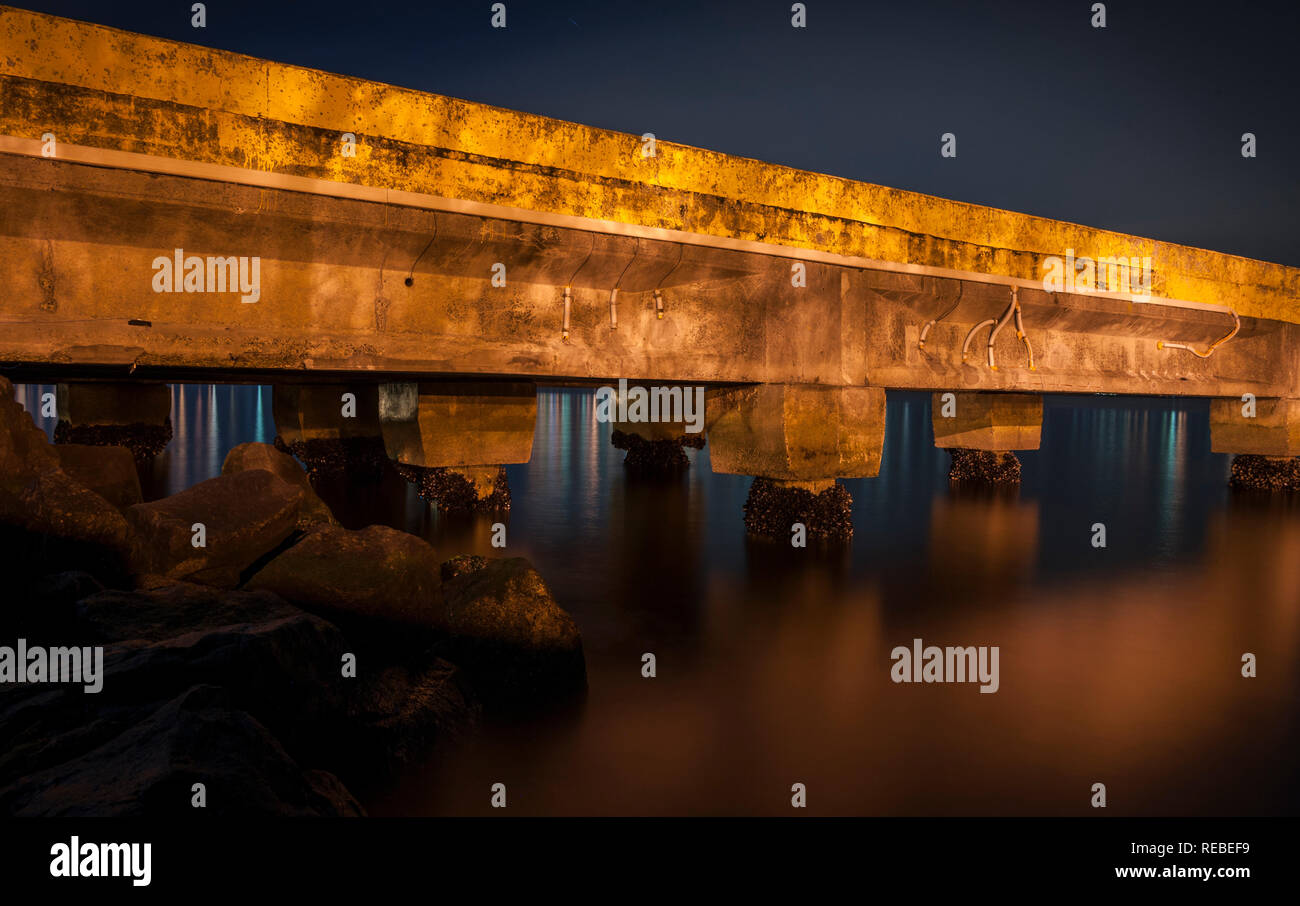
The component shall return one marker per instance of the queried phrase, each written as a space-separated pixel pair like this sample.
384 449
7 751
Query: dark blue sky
1135 127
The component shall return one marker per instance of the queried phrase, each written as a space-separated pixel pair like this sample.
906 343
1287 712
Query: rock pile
281 654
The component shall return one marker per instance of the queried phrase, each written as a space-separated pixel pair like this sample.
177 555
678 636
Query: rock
246 457
404 710
49 521
108 471
281 665
65 589
508 632
277 662
463 566
149 769
281 691
54 523
274 661
24 450
824 509
245 515
983 465
378 573
47 606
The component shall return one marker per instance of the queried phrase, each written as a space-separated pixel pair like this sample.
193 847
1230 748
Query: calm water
1119 666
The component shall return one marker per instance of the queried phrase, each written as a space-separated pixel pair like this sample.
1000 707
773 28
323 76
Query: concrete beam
79 244
106 89
382 261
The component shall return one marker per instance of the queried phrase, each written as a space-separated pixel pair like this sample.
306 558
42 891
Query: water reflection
1119 665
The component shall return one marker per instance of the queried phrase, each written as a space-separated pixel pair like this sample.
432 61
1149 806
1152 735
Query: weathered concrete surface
307 412
458 424
111 414
132 92
332 428
1274 430
996 422
113 403
558 204
796 433
656 428
108 471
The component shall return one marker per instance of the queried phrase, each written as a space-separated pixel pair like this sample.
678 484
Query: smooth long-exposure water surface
1119 665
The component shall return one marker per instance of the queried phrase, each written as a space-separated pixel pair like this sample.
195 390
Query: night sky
1135 127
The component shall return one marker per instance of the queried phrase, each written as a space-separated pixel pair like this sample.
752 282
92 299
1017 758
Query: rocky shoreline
251 643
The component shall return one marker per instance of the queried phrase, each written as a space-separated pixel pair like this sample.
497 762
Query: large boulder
283 666
108 471
278 663
246 457
377 573
24 450
508 632
277 667
245 516
401 710
53 522
50 521
151 766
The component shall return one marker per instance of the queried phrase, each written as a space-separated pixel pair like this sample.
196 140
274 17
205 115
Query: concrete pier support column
453 440
1265 435
656 429
797 439
981 430
135 415
332 428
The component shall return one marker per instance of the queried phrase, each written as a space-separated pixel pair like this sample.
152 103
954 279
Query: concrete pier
657 441
135 415
982 431
333 429
1265 436
796 440
453 439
